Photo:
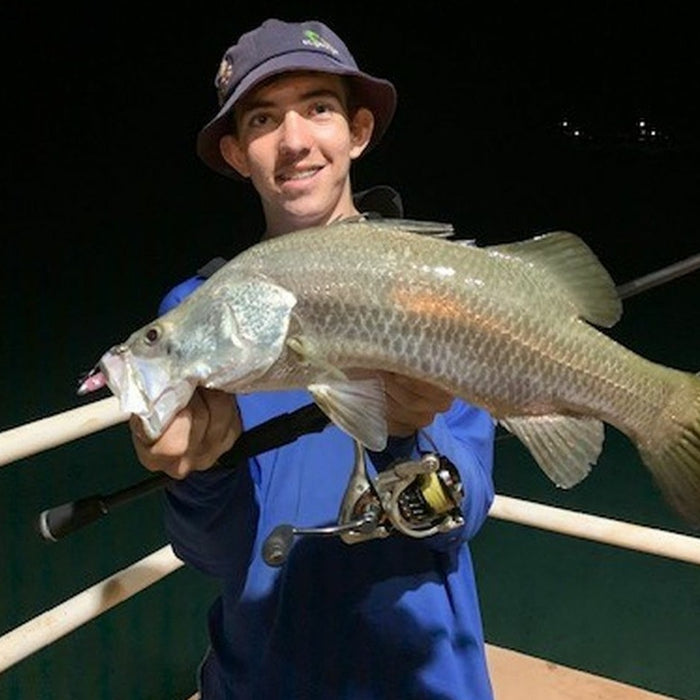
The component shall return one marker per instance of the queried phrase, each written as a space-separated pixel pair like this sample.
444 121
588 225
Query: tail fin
672 453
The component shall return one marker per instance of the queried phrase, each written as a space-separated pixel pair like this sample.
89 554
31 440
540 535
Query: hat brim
376 94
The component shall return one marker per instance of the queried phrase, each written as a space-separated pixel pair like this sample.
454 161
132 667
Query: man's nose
294 132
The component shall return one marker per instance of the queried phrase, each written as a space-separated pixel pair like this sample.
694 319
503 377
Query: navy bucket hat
277 47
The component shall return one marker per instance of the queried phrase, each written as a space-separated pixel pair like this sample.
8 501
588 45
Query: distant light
638 132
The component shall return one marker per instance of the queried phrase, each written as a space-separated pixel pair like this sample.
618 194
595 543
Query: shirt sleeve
211 520
178 293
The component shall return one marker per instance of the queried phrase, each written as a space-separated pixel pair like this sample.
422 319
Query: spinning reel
417 498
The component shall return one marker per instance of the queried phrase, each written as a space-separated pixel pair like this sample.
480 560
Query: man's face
296 143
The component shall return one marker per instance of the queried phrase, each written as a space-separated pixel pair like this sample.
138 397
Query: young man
385 618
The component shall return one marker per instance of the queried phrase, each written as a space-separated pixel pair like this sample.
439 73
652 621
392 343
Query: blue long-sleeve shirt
383 619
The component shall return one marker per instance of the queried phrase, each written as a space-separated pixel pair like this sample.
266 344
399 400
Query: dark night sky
105 204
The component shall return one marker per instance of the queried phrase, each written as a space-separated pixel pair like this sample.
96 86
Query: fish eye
152 335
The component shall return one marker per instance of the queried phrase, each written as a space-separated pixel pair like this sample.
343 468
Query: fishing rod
654 279
55 523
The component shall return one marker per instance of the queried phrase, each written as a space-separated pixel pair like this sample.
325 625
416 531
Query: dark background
105 206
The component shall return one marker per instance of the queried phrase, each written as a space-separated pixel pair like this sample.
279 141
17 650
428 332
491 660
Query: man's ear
361 128
233 154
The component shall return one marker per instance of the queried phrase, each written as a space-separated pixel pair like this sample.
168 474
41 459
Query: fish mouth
144 389
117 367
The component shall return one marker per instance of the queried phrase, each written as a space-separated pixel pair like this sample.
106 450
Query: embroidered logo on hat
318 42
223 78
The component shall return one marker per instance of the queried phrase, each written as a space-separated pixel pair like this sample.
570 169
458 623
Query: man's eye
259 120
321 108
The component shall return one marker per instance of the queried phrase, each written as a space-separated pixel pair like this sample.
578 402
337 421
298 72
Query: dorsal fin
575 269
438 229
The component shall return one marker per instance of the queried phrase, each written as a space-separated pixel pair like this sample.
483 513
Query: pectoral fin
358 407
565 447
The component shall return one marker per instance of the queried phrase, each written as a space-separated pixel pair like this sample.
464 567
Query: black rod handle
55 523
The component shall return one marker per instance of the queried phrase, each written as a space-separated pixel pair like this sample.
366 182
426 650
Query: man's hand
412 404
198 435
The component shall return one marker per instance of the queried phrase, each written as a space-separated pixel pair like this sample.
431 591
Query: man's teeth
299 176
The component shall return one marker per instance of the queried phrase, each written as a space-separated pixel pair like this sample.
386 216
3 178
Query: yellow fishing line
434 494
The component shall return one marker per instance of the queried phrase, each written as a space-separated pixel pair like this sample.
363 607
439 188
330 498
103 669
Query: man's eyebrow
261 103
320 92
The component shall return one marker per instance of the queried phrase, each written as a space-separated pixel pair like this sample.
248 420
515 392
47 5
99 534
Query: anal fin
565 447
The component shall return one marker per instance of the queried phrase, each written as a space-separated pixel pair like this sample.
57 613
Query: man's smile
305 174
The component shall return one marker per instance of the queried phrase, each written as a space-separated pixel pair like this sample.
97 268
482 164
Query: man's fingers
417 395
412 404
222 427
196 437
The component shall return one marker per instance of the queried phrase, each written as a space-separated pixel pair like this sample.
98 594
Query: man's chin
307 209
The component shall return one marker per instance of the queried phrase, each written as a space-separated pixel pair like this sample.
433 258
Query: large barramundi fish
508 327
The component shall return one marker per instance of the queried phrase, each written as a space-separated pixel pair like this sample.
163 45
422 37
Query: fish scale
513 328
